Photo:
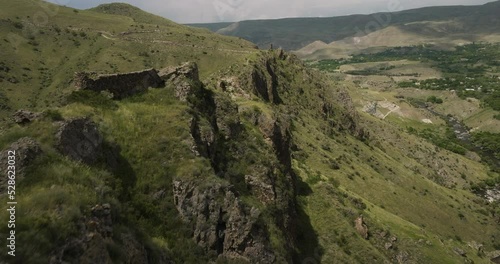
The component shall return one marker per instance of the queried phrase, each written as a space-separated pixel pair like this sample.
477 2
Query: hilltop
139 140
138 15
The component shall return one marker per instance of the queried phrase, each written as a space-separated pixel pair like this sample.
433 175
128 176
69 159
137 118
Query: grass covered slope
39 57
262 160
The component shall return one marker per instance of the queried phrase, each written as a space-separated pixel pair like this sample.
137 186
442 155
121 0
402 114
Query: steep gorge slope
251 157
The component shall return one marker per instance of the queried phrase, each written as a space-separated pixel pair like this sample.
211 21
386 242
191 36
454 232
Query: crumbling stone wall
120 85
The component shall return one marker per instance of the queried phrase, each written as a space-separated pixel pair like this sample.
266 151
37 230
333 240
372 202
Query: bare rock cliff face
222 223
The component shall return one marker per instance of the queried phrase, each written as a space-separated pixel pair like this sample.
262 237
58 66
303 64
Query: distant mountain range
430 24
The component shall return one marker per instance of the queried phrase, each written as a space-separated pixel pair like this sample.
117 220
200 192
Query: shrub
18 25
435 100
54 115
335 183
313 179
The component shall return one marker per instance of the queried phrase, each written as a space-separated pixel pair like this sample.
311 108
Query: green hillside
238 156
41 59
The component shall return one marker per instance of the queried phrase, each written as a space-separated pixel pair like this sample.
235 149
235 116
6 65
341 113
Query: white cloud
190 11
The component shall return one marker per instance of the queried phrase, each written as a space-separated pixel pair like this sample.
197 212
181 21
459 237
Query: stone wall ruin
121 85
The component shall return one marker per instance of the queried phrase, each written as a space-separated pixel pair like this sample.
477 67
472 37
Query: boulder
80 140
459 252
24 116
388 245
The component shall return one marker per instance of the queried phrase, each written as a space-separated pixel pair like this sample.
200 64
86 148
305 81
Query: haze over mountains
446 25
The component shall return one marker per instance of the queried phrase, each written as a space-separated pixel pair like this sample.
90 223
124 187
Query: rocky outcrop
222 223
80 140
492 194
219 135
274 78
24 116
349 117
494 256
95 235
24 151
121 85
266 83
227 118
187 70
361 227
402 257
184 79
459 252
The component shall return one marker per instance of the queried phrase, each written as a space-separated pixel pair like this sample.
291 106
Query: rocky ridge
220 126
235 230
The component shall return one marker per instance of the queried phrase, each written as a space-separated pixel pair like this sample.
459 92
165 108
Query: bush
18 25
435 100
334 182
54 115
313 179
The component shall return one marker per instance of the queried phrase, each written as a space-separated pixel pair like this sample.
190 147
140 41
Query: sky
207 11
